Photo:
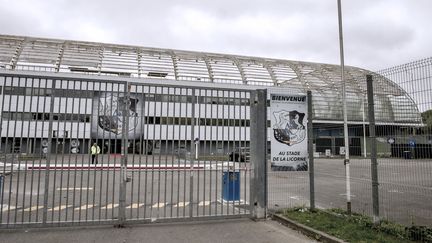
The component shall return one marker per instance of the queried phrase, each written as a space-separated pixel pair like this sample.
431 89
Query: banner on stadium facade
289 136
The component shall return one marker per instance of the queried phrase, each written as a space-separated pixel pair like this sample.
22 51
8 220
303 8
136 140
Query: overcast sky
377 33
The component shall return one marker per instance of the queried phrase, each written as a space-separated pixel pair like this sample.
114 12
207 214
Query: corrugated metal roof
67 56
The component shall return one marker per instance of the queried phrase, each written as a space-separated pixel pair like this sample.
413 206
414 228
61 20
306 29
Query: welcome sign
289 131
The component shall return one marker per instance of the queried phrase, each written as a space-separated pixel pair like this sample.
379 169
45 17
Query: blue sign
412 143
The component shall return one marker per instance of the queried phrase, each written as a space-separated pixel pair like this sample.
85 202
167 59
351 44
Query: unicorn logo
289 128
111 113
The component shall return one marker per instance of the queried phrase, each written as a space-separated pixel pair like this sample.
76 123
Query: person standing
95 151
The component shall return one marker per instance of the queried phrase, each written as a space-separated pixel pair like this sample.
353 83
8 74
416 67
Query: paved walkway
243 230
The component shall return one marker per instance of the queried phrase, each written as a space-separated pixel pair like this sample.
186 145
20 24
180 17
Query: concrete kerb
315 234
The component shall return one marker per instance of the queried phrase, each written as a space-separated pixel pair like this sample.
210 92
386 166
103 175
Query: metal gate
165 152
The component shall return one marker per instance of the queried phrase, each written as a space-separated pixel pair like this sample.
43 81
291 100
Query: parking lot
405 188
166 187
157 189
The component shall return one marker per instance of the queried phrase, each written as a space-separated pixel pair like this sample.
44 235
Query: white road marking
74 188
34 208
135 205
84 207
235 202
295 197
395 191
204 203
58 208
110 206
158 205
181 204
7 207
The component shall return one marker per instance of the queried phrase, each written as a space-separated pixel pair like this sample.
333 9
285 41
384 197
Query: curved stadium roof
393 104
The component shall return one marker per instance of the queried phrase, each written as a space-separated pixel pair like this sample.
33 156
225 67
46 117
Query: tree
427 118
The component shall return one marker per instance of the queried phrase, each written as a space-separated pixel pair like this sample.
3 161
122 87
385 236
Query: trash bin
407 154
231 186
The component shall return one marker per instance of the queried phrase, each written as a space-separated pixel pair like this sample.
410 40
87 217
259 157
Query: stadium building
72 92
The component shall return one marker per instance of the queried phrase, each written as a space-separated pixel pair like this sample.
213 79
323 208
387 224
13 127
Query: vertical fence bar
159 143
84 122
245 102
179 143
2 187
225 166
224 169
3 203
374 162
174 125
310 152
197 145
48 160
108 96
139 93
69 159
44 105
227 123
101 96
28 151
124 150
153 154
209 95
147 101
34 145
62 159
23 119
192 157
114 88
364 128
72 159
236 136
167 124
57 92
186 94
216 122
77 122
14 139
132 145
207 163
11 182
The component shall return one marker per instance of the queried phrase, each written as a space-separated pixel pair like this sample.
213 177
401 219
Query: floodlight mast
346 161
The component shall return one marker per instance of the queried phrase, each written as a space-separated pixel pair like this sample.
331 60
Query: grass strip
356 228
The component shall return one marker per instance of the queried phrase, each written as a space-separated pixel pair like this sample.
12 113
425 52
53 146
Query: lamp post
346 161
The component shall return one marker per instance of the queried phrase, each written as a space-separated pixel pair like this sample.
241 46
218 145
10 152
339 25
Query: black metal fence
403 130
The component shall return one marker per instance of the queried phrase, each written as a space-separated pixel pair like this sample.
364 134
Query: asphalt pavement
405 188
241 230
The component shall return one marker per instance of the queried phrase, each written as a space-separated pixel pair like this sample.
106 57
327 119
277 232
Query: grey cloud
389 30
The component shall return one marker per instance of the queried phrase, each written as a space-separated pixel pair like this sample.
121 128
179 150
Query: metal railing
403 130
163 159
